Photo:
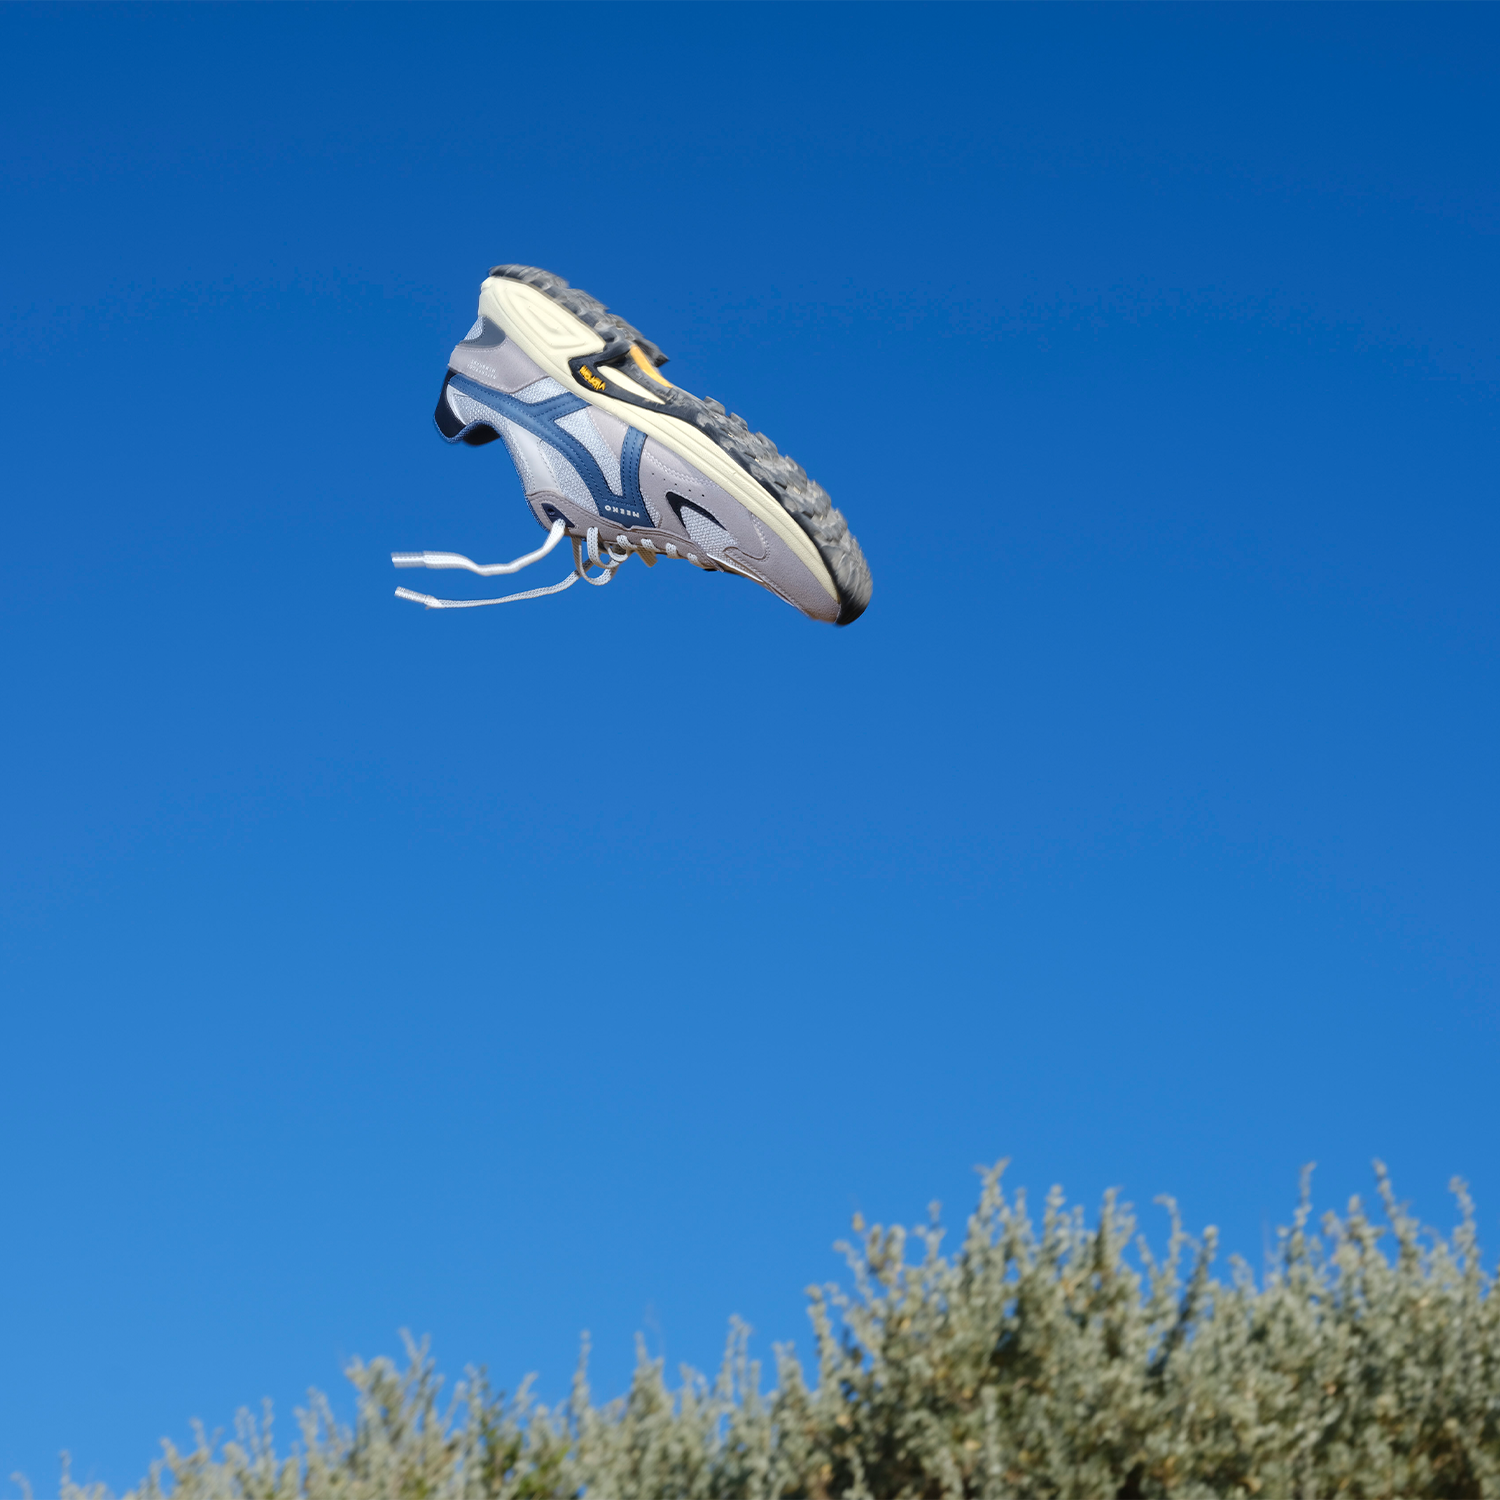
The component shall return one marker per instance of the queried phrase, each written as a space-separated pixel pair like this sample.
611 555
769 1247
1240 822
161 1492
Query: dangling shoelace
615 554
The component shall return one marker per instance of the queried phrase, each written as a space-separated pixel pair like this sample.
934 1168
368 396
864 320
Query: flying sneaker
620 462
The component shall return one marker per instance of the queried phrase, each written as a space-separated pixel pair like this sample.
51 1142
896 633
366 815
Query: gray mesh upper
579 424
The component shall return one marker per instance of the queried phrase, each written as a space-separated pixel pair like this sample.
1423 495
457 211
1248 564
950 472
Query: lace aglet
458 560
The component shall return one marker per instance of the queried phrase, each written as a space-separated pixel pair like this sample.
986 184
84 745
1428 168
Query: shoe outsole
785 480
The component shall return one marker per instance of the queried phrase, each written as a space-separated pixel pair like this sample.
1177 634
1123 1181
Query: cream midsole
552 336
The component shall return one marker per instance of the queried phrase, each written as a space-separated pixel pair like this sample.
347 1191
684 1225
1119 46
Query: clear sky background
585 964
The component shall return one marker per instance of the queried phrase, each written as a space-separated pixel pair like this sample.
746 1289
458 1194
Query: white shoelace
615 553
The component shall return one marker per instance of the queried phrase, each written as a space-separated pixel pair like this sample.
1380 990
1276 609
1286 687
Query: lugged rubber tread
783 478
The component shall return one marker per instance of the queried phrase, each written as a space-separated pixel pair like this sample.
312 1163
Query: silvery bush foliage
1061 1361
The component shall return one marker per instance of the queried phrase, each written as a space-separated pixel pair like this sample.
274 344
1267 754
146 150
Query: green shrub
1064 1361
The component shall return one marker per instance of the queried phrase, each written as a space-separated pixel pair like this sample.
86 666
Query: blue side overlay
630 472
540 419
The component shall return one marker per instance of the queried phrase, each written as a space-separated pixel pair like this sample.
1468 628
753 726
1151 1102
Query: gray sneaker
621 462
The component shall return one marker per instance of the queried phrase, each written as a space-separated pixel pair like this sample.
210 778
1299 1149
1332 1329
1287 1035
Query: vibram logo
592 379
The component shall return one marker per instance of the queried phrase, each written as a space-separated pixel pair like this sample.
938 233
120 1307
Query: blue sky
585 964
